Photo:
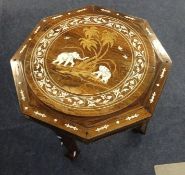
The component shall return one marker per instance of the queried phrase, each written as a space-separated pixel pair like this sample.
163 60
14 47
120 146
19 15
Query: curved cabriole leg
141 128
71 146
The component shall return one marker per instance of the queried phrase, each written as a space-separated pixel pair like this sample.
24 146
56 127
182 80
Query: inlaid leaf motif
88 43
91 102
63 94
91 32
108 38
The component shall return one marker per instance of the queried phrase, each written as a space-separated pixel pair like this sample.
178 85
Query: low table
90 73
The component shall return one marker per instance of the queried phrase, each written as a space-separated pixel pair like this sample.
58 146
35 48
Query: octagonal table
89 73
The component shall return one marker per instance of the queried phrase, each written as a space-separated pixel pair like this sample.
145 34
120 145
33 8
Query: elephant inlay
103 74
68 58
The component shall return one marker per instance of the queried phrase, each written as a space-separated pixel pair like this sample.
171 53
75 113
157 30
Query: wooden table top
91 62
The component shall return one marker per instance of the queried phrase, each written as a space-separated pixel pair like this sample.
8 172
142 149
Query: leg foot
71 146
141 128
72 155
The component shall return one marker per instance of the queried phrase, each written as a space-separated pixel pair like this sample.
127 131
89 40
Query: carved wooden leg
71 146
141 128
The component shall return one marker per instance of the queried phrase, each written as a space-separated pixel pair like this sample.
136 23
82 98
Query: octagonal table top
90 71
89 64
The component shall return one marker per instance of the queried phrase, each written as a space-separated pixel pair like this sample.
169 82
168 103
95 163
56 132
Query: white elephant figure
103 73
68 58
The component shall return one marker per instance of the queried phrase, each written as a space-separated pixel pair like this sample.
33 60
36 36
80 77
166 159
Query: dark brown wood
70 144
142 127
90 72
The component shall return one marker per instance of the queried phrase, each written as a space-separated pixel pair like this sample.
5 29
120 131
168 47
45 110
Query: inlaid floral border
42 79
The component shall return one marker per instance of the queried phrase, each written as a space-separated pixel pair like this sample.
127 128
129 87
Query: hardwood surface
90 72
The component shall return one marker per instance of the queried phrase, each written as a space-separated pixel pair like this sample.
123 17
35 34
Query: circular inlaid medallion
80 63
90 65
